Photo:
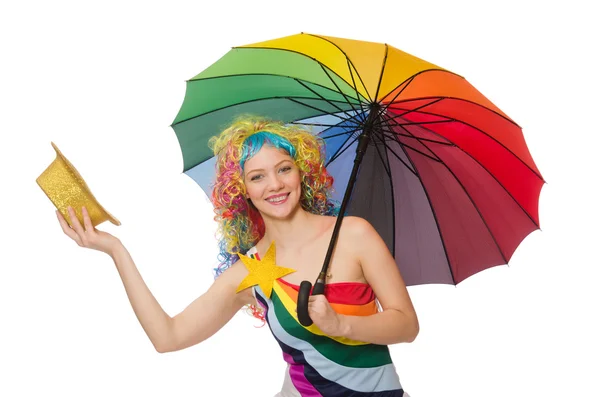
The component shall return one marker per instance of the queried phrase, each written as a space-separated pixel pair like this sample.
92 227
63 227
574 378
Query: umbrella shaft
363 142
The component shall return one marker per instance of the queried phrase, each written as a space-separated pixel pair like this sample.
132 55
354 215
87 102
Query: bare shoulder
354 233
361 238
356 227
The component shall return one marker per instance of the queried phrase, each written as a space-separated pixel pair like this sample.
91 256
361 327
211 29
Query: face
272 182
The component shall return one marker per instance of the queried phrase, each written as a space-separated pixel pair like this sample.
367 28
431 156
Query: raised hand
87 235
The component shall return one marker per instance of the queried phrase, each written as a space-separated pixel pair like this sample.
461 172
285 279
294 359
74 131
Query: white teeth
277 199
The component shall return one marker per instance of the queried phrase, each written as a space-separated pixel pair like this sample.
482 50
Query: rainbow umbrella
440 171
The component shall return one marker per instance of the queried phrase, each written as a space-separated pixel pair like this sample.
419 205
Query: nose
276 183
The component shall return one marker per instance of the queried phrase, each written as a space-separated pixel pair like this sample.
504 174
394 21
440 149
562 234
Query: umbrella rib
408 82
350 64
483 132
433 212
393 201
418 140
393 248
338 91
350 61
398 157
356 125
478 129
387 170
336 135
353 81
316 124
382 70
429 156
435 100
489 173
323 98
390 104
486 134
393 134
340 151
304 55
473 203
350 119
336 86
293 99
386 107
343 147
448 120
413 77
383 125
389 132
388 167
241 103
345 132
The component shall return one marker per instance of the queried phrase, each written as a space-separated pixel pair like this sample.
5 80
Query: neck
288 232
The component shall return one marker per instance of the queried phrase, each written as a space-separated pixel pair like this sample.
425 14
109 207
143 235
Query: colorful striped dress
320 365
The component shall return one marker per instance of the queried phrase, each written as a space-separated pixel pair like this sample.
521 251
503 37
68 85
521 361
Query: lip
277 196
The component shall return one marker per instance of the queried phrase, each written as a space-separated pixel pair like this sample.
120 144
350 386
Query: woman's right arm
200 320
197 322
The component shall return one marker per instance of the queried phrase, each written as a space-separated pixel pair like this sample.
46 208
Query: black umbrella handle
304 294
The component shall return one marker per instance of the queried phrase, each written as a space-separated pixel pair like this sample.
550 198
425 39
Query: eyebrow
261 169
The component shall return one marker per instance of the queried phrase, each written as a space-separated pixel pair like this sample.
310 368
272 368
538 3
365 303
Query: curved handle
303 295
302 308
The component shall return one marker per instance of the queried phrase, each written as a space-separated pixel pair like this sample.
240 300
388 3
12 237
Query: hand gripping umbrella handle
303 295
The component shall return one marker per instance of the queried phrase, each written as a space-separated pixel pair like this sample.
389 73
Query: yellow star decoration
262 273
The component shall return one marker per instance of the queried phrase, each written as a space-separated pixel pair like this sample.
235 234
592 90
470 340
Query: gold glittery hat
65 187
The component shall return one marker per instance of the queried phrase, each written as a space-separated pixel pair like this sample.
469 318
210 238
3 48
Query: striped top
321 365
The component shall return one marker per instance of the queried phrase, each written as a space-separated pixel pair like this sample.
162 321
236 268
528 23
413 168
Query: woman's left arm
397 322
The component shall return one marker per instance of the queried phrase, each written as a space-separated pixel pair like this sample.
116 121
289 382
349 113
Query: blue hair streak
255 142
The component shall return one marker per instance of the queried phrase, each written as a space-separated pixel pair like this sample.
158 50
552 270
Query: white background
104 83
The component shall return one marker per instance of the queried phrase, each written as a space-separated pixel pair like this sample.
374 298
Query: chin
280 215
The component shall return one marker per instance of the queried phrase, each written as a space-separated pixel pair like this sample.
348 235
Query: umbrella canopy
446 177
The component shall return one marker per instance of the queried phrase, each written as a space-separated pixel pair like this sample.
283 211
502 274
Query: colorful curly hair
240 224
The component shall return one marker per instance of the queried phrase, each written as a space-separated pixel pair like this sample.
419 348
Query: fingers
321 313
65 227
75 222
317 298
76 232
317 303
87 222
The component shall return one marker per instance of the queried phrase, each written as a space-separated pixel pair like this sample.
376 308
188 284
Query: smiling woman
272 202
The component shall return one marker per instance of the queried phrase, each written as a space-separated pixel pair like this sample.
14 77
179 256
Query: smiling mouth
278 199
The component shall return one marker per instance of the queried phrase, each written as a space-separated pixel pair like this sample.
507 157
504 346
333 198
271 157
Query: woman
272 190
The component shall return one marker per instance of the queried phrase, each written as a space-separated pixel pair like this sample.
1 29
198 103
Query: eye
285 168
255 177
